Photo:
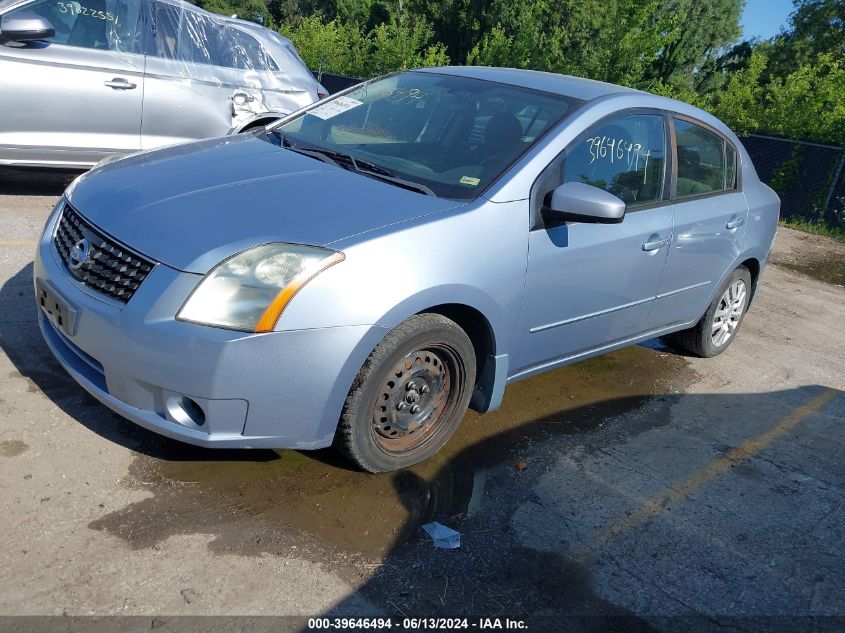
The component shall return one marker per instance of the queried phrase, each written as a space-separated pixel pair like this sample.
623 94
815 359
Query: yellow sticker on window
469 180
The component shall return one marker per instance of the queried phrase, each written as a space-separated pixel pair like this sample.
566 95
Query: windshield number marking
74 8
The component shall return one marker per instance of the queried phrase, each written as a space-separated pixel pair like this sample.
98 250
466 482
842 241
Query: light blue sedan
366 269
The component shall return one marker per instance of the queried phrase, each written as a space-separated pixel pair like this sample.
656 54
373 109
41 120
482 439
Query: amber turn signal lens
271 315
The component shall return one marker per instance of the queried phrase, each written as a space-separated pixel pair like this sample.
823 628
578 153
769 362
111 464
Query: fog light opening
185 411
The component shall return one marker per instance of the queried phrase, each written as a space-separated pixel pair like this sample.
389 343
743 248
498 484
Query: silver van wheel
729 313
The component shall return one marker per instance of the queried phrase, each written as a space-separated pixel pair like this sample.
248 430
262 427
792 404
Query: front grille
110 267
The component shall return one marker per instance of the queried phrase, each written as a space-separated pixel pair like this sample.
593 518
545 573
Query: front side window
452 135
624 155
706 163
98 24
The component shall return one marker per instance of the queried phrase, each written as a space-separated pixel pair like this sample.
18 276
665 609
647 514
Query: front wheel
719 325
409 396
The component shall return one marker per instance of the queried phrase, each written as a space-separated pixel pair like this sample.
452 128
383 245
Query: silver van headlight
249 291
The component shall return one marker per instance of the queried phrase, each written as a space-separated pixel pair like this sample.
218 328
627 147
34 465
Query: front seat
502 135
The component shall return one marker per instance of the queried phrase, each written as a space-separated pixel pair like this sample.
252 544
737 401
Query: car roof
566 85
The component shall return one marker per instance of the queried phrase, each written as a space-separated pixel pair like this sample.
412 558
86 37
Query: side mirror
25 27
579 202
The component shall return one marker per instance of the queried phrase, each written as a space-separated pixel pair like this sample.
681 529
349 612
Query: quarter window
109 25
624 155
706 163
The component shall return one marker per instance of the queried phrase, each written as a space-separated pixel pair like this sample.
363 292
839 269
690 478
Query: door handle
119 83
735 223
653 245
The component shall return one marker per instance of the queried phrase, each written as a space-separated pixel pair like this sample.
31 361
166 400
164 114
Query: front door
75 98
591 285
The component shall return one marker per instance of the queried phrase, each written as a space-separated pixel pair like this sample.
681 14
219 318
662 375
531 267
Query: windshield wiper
383 174
312 153
347 161
371 169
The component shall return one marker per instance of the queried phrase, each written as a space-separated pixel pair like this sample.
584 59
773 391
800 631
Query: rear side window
108 25
188 36
624 155
706 163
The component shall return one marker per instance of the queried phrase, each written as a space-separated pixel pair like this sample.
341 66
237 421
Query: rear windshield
453 135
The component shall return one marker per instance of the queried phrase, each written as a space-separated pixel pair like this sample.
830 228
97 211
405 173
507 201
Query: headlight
250 290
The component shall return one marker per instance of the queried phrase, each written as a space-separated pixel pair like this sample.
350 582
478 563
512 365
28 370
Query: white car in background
83 80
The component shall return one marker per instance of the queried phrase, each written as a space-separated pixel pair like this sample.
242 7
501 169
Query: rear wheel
409 396
718 327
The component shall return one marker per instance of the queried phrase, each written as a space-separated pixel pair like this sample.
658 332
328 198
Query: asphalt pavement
639 491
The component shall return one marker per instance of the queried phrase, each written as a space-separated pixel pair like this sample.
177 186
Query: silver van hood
190 206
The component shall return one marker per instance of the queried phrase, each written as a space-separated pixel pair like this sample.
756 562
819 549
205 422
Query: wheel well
477 328
753 267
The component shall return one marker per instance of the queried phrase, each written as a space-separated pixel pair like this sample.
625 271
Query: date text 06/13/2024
416 624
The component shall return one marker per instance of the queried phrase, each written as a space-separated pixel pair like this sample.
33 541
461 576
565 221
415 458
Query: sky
764 18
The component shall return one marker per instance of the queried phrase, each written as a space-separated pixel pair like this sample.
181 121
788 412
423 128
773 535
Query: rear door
196 66
709 216
76 98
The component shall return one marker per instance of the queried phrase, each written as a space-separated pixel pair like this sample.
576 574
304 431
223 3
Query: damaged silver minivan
84 79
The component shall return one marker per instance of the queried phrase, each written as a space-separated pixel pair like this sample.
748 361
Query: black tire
699 339
427 363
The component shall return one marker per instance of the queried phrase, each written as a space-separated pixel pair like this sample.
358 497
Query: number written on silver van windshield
74 8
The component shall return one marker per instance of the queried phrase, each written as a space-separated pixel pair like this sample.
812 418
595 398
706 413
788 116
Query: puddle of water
830 271
13 448
259 501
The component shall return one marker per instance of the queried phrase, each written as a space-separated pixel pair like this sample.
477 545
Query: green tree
399 46
329 46
343 48
253 10
817 27
741 103
691 32
612 41
809 103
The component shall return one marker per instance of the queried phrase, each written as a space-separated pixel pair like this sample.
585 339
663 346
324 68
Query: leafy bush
344 49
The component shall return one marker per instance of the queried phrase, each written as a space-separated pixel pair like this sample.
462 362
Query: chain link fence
808 177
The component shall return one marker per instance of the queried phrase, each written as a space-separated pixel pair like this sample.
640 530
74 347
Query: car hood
190 206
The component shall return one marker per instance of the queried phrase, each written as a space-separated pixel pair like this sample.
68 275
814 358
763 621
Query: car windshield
439 134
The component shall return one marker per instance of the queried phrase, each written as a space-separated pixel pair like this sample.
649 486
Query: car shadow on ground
32 182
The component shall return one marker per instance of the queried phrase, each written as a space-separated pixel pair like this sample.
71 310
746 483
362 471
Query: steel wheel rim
415 398
728 313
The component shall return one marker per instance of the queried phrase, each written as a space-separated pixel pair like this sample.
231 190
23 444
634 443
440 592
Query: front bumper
274 390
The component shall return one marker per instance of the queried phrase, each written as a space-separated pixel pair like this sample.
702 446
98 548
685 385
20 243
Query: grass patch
816 228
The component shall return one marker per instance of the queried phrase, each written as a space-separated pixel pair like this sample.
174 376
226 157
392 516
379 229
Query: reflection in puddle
283 502
831 271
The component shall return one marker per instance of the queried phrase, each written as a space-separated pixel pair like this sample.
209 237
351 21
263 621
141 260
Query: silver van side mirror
25 27
580 202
